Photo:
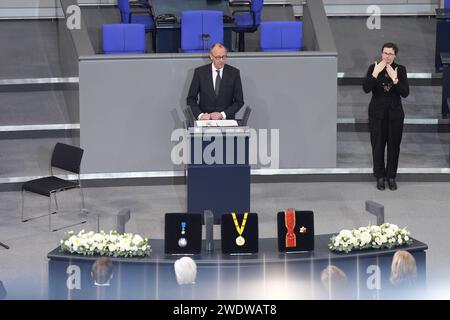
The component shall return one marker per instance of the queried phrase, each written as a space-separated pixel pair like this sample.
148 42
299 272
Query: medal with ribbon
289 221
182 242
240 240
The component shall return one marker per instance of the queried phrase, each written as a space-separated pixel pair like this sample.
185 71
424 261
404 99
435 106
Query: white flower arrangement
105 244
387 235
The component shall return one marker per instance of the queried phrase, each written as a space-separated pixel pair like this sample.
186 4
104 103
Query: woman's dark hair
390 45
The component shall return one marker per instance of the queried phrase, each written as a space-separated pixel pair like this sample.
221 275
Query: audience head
185 270
218 55
403 268
2 291
334 280
102 271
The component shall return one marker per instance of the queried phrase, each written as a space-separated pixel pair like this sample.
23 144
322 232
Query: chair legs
241 41
50 212
33 218
154 41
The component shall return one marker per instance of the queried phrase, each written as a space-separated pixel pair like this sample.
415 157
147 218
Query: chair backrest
123 38
257 6
200 29
124 7
281 36
67 157
447 4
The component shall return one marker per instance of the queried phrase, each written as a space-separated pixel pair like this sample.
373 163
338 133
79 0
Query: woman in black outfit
388 82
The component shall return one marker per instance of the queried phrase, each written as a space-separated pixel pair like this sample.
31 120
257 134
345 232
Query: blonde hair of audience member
334 280
102 271
403 268
185 270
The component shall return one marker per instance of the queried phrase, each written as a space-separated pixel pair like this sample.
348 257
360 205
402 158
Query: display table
221 276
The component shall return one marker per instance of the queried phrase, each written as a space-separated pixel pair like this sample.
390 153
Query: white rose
365 237
137 239
345 233
406 238
400 241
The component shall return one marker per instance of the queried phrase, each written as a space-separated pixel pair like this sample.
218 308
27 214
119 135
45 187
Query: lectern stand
218 176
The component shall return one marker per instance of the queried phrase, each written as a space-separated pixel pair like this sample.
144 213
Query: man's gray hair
185 270
217 44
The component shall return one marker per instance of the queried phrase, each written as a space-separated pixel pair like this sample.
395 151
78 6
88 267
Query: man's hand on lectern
216 116
205 116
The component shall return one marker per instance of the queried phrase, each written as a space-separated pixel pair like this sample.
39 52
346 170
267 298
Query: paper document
216 123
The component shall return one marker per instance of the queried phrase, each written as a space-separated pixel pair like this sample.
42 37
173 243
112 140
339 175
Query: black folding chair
65 157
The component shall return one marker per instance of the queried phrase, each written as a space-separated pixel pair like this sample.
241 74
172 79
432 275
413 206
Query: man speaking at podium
216 89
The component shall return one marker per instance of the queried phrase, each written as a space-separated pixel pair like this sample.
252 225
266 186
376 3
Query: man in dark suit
388 83
216 89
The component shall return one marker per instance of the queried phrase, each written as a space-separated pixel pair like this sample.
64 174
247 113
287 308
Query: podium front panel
222 189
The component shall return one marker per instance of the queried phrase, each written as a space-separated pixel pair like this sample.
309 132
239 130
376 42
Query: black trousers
385 132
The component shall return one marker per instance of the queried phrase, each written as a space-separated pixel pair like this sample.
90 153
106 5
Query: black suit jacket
386 96
202 98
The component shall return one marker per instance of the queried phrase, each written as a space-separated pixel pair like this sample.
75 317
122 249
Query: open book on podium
216 123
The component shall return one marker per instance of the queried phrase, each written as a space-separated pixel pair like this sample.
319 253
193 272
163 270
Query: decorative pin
303 229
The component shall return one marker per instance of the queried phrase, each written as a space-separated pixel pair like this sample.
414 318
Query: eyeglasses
389 54
220 57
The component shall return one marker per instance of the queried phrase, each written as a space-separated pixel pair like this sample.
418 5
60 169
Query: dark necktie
217 87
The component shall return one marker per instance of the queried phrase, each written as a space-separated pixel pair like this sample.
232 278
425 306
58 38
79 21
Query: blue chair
281 36
200 29
447 4
139 15
247 20
123 38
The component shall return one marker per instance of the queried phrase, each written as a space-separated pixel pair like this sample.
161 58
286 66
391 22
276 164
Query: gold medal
240 241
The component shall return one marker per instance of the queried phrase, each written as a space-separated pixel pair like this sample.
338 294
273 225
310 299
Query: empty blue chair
247 20
447 4
123 38
200 29
139 15
281 36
